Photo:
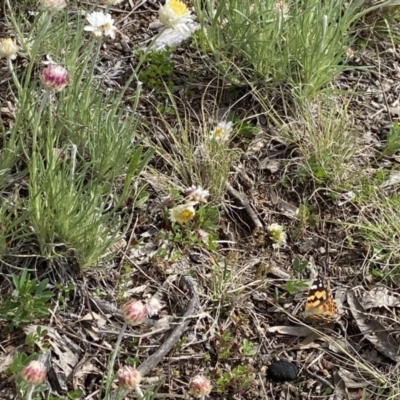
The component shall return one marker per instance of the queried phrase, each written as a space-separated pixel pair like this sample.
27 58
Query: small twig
320 378
151 333
251 213
191 310
177 332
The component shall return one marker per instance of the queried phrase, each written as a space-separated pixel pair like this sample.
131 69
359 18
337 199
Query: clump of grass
326 142
274 42
323 136
190 154
74 147
379 227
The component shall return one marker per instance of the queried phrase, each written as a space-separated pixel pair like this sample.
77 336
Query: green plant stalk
113 358
112 362
29 392
33 53
33 159
23 90
13 74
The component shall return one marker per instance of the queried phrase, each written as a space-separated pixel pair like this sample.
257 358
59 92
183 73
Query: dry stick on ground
191 310
253 216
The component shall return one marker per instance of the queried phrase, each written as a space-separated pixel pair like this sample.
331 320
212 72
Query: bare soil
84 327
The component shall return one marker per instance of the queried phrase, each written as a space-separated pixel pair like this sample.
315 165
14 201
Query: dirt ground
248 301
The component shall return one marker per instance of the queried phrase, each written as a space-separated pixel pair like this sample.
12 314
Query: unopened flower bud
200 386
53 6
8 49
128 377
134 312
34 373
54 78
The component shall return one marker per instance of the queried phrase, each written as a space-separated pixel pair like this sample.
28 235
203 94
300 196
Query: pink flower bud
200 386
134 312
128 377
54 78
34 373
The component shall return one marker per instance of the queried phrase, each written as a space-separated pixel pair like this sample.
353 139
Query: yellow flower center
185 216
178 7
218 132
105 27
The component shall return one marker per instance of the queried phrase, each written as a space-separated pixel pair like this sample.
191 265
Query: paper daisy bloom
222 132
100 24
175 15
197 193
277 235
182 214
8 49
53 6
54 78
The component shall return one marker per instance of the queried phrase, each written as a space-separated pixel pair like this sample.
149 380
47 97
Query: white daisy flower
222 132
100 24
183 213
175 15
278 236
197 193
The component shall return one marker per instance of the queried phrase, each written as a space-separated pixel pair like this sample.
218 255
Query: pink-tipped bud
128 377
153 306
54 78
34 373
134 312
200 386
